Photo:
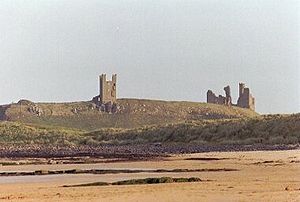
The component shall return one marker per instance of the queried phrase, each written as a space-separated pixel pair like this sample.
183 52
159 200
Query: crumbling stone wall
212 98
245 100
221 100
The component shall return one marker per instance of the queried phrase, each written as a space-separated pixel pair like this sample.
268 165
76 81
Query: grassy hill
267 130
272 129
132 113
142 122
21 134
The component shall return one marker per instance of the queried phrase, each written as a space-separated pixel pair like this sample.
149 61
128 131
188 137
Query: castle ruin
107 98
245 100
106 101
221 100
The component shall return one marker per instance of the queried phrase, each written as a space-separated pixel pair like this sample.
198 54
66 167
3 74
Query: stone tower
246 100
108 89
228 99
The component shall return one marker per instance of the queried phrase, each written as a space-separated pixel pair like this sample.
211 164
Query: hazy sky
161 49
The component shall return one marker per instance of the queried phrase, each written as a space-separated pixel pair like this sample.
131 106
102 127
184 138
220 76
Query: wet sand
261 176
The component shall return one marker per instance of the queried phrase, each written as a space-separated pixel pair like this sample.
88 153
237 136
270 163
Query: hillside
264 130
132 113
272 129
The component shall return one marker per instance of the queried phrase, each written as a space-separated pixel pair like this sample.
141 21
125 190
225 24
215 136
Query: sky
54 50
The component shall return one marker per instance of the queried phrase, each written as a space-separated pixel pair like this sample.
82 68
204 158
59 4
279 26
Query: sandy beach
260 176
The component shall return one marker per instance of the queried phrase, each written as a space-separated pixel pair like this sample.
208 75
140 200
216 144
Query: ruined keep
245 100
107 98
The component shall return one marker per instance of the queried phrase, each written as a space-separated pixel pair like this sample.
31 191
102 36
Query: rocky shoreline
127 152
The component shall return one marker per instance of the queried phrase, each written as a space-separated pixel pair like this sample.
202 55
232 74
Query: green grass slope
132 113
274 129
268 130
21 134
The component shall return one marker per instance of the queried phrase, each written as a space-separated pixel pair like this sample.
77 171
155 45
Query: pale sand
254 182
